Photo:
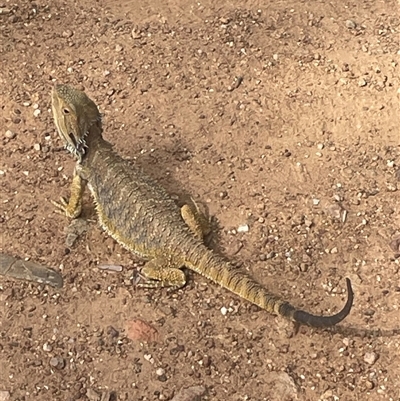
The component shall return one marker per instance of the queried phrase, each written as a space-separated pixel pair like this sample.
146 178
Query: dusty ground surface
304 150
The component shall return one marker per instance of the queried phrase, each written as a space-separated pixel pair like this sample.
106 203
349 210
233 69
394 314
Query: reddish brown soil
305 151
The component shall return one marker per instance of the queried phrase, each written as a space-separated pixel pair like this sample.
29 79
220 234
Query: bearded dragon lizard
137 212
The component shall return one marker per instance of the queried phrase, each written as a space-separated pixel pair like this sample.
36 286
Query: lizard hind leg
196 220
160 273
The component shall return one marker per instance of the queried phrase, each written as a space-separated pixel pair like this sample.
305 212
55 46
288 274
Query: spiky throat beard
78 149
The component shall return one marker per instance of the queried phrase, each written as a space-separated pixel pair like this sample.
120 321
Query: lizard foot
64 208
157 284
156 275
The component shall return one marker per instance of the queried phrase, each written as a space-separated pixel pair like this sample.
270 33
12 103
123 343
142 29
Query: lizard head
74 113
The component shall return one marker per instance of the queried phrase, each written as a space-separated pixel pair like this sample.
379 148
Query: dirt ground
282 118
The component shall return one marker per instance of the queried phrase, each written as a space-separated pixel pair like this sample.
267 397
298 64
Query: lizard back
133 208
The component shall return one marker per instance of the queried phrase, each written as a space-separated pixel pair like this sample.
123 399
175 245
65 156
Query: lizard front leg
73 207
162 272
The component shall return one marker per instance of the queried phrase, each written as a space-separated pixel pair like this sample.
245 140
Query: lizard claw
60 206
141 281
65 209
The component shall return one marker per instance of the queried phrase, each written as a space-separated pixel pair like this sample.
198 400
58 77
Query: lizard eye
65 111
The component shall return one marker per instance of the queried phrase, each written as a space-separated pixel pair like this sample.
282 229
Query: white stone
244 228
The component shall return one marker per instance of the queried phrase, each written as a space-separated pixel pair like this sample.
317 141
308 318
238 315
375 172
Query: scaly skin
139 214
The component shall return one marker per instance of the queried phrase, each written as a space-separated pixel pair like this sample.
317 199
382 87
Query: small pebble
303 267
9 134
67 34
70 239
194 393
224 311
369 385
351 24
206 361
135 34
5 395
244 228
36 112
308 223
395 244
140 330
112 332
160 372
57 362
370 358
362 82
47 347
92 395
37 147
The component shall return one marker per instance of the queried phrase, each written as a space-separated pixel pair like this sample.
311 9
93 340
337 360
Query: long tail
303 317
241 283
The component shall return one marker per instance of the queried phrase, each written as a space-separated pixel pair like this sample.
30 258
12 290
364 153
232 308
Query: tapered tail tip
326 321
